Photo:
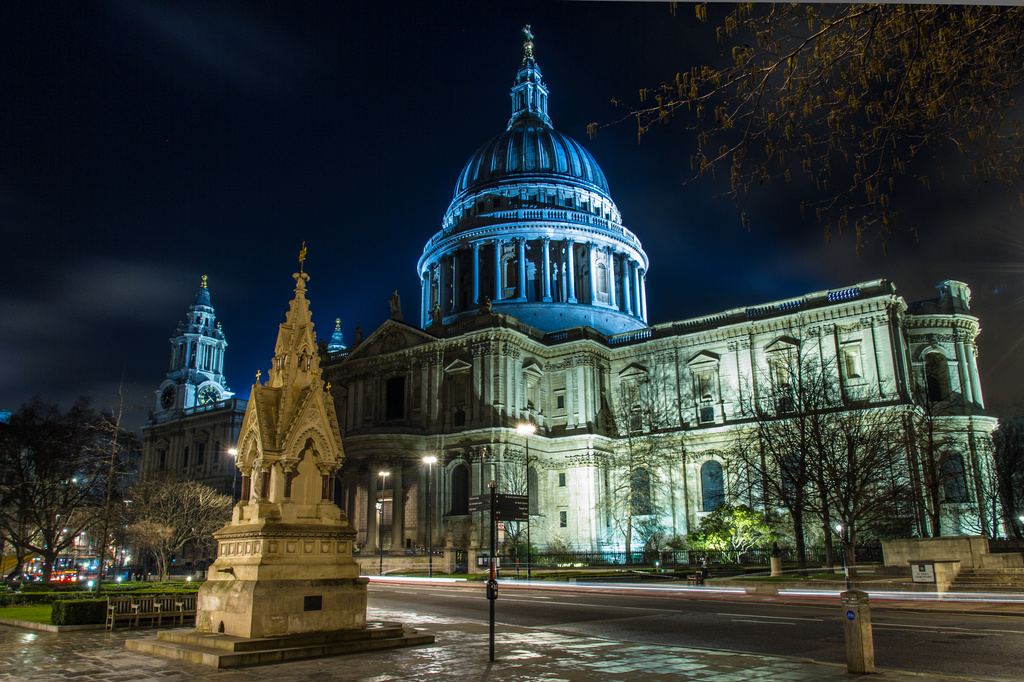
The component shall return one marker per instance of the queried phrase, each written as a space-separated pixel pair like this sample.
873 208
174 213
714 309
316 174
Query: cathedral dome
532 231
529 148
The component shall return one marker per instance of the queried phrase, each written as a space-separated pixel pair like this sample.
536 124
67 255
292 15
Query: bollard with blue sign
860 647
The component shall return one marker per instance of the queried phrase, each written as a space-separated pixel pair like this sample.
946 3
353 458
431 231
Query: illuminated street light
380 523
234 472
430 461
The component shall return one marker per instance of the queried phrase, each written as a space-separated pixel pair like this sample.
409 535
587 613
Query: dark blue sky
146 143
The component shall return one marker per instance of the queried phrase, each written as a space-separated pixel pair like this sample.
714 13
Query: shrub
79 612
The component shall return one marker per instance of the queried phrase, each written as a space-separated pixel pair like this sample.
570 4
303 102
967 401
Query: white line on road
936 628
592 606
751 615
760 622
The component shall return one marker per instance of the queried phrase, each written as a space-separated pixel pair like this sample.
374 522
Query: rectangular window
394 399
163 459
851 361
563 519
707 414
200 453
216 452
184 458
561 480
560 401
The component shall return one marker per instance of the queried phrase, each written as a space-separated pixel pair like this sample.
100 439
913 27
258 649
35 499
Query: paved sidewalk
460 653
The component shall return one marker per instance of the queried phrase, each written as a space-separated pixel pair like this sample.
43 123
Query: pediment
634 372
783 344
705 357
532 368
391 337
458 367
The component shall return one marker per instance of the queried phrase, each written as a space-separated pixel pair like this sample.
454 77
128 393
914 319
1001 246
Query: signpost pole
492 583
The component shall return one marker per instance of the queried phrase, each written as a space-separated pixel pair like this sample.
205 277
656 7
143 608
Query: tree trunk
629 539
798 533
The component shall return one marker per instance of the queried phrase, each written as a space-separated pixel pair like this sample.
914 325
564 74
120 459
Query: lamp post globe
430 461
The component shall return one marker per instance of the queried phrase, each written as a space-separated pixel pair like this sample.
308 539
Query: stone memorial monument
284 580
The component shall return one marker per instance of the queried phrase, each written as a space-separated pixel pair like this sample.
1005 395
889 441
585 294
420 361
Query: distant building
534 310
197 418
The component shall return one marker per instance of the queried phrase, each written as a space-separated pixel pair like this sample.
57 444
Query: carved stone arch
932 349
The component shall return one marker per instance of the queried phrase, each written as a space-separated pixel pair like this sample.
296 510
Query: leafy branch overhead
855 99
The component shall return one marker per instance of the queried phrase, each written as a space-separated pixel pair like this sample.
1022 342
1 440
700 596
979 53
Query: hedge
79 612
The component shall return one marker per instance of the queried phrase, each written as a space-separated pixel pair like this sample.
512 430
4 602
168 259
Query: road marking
936 628
760 622
775 617
592 606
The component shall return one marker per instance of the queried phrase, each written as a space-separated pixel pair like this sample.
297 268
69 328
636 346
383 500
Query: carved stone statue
396 306
435 315
358 334
485 304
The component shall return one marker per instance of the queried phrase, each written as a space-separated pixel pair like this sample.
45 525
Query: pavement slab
459 653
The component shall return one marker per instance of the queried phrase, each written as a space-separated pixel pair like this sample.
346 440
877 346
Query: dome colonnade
532 231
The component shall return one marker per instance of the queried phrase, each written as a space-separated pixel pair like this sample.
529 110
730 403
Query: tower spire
529 94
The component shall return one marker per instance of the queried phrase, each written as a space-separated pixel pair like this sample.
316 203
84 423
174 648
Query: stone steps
989 580
225 651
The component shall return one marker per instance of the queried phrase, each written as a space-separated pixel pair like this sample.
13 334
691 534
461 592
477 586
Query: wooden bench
133 610
185 607
119 609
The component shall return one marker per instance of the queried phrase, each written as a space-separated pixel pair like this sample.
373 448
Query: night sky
146 143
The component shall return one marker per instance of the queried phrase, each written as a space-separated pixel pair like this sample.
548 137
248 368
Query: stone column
397 510
455 280
611 278
570 248
521 289
370 546
961 367
627 281
593 268
972 369
476 273
643 294
425 299
497 269
547 269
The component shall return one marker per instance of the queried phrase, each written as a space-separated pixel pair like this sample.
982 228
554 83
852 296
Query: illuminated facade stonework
533 309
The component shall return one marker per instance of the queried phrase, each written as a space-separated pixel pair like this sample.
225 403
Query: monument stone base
227 651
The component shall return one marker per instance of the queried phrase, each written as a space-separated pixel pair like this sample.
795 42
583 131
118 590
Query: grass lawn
34 614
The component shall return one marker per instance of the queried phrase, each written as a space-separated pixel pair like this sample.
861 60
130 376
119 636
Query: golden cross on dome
328 387
203 285
258 372
302 254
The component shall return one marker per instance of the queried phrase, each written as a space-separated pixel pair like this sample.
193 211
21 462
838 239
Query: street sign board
922 572
512 508
478 503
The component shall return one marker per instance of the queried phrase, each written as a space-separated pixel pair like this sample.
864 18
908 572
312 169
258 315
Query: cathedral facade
533 334
533 364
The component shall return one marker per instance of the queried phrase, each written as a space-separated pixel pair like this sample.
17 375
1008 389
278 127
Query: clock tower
194 427
196 374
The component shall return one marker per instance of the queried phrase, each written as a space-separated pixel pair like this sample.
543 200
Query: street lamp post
380 522
846 568
430 461
526 429
234 473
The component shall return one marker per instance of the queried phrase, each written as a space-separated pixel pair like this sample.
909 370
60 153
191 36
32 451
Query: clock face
167 397
208 395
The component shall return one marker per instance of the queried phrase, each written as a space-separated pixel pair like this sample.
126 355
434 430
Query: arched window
954 485
640 501
602 279
936 373
460 491
531 484
712 485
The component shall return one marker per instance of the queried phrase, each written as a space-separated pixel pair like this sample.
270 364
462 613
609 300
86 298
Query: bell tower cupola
195 377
